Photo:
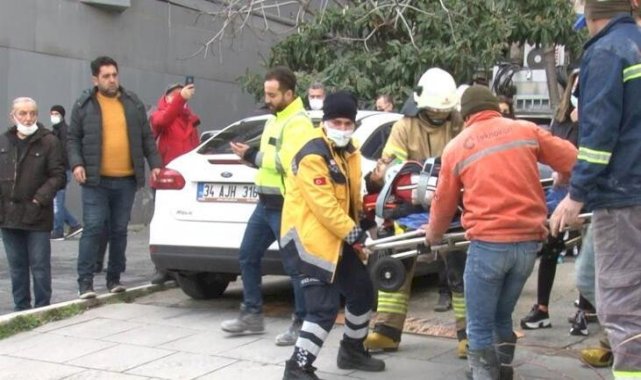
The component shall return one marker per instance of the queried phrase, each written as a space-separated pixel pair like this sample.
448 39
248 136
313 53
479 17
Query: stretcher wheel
388 274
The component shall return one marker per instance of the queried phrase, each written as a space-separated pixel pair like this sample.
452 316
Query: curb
103 299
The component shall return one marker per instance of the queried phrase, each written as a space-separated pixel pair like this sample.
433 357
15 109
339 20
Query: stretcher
402 200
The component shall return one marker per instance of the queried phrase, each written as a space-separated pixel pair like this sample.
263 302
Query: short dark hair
284 76
317 86
99 62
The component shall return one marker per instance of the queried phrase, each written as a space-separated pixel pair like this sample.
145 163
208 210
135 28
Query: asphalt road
63 268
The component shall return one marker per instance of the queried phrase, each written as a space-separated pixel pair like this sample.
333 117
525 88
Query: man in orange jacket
494 161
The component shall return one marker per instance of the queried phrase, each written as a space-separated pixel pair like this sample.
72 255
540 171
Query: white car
205 197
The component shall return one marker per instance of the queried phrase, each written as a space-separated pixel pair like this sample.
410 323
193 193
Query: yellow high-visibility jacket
276 150
322 205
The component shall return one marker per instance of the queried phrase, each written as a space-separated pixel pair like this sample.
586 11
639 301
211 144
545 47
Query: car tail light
168 179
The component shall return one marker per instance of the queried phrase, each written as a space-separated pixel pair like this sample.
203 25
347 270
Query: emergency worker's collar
423 121
480 116
293 108
620 19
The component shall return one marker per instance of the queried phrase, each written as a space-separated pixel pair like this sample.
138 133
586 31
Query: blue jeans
111 201
60 213
263 228
28 251
584 268
494 277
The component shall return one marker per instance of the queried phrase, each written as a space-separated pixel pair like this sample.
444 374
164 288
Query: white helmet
436 90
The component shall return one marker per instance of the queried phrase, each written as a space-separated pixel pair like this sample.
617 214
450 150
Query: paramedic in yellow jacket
322 231
263 227
417 137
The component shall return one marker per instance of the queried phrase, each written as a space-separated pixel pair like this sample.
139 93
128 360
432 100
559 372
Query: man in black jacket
31 171
60 213
108 142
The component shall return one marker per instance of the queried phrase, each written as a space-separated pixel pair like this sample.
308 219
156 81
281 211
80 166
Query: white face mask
315 104
340 138
27 130
56 119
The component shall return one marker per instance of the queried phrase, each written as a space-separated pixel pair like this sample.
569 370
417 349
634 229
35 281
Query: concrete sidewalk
167 336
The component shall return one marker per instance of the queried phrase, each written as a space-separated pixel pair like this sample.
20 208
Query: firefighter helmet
436 91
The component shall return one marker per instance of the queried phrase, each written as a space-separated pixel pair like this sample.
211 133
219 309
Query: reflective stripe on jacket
323 202
494 160
608 170
276 152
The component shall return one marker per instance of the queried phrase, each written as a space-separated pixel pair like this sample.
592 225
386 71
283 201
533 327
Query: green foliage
369 49
31 321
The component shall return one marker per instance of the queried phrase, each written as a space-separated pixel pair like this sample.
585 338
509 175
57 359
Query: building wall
46 47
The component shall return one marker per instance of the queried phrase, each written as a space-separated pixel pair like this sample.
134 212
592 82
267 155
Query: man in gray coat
108 142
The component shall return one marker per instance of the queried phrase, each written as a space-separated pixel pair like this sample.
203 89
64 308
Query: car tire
203 286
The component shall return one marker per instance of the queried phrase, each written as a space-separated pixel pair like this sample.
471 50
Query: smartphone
189 80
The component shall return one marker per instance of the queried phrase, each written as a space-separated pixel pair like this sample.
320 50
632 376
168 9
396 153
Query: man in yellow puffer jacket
321 230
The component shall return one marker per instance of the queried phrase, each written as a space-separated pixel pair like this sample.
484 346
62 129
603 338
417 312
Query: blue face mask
574 101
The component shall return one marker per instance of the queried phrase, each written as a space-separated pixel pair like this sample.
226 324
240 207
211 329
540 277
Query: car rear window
247 132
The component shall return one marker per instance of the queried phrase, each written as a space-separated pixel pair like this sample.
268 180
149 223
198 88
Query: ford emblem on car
226 174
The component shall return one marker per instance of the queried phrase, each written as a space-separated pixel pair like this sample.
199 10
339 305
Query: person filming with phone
175 128
173 123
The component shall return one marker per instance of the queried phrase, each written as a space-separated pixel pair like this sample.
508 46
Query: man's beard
108 92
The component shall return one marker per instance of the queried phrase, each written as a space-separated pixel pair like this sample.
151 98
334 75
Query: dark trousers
323 300
28 251
111 201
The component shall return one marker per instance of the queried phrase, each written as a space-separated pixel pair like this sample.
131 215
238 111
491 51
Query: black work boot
484 364
505 352
294 372
352 355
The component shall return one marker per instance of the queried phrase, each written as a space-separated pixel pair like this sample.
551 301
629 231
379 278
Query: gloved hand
362 252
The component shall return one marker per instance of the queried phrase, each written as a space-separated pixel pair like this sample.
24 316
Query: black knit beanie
476 99
340 104
58 108
599 9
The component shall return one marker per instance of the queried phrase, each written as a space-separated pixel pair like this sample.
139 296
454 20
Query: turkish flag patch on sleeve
320 181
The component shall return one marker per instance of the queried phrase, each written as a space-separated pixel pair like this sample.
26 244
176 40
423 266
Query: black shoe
160 277
57 236
294 372
536 319
354 356
444 303
580 324
85 290
590 316
114 286
73 231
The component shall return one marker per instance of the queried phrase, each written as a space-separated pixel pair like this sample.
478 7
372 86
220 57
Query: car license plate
227 192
